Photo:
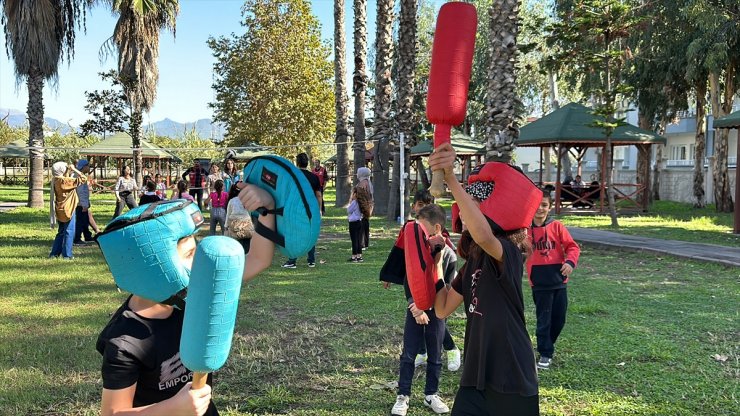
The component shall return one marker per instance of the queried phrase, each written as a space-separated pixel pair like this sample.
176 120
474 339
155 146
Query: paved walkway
706 252
7 206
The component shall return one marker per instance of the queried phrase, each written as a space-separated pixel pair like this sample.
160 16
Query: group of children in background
499 367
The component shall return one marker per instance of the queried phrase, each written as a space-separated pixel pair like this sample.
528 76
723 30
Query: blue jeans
413 336
64 239
311 256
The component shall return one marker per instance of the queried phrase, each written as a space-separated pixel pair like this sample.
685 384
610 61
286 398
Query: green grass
666 220
646 334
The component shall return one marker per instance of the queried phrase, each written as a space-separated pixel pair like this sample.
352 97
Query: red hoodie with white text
552 246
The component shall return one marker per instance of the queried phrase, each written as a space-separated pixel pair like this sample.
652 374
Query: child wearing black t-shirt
499 375
141 370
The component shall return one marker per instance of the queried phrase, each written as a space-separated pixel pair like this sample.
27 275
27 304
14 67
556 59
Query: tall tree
716 50
502 105
341 135
595 32
382 122
107 107
405 91
38 35
359 79
136 39
657 76
274 83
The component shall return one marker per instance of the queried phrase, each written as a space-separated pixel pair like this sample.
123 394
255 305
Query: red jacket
552 246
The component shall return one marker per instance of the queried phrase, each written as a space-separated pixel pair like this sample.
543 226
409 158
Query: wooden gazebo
572 126
466 149
732 121
119 147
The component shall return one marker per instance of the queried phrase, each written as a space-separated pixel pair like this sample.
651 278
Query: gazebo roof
17 149
729 121
571 125
119 146
463 145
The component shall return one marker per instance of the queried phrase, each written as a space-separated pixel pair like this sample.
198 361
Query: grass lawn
646 334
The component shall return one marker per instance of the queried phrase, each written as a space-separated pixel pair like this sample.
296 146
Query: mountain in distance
204 127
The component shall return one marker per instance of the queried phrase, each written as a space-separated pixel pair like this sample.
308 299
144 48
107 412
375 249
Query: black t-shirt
313 180
147 352
498 351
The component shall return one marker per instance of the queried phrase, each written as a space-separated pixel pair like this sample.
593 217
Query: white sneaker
421 359
453 359
433 402
401 406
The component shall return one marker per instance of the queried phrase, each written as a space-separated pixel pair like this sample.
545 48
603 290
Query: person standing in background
125 188
323 176
82 216
363 181
196 178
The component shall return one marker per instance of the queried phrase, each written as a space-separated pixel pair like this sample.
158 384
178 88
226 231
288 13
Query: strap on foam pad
269 234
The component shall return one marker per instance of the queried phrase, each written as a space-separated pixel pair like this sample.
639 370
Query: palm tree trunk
405 94
359 79
135 131
643 162
502 128
35 110
700 144
382 130
341 135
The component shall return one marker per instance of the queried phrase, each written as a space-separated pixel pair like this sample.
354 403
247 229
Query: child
142 372
218 199
423 327
63 204
150 195
554 256
181 192
499 375
359 208
161 186
423 198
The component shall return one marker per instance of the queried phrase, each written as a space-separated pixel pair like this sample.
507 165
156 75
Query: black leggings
472 402
355 234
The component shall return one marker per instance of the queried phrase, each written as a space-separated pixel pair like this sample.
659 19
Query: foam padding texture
211 305
142 255
300 222
421 272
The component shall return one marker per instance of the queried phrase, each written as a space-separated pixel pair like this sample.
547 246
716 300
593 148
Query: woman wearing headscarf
363 181
63 204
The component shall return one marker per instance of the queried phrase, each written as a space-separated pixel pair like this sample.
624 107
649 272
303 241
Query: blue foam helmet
140 248
213 298
297 212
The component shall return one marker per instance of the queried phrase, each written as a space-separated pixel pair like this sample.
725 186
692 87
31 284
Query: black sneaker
544 363
351 260
289 265
360 260
311 264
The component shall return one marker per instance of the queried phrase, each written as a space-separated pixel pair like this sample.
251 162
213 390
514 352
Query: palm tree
136 39
382 126
359 79
406 88
38 35
342 179
502 103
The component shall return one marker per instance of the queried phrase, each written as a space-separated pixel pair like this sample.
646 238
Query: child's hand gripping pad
514 199
298 219
421 271
211 305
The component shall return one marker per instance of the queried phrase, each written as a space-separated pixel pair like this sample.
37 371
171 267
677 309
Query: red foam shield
452 62
456 220
421 273
515 197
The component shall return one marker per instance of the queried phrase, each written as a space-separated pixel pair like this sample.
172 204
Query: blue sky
184 64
